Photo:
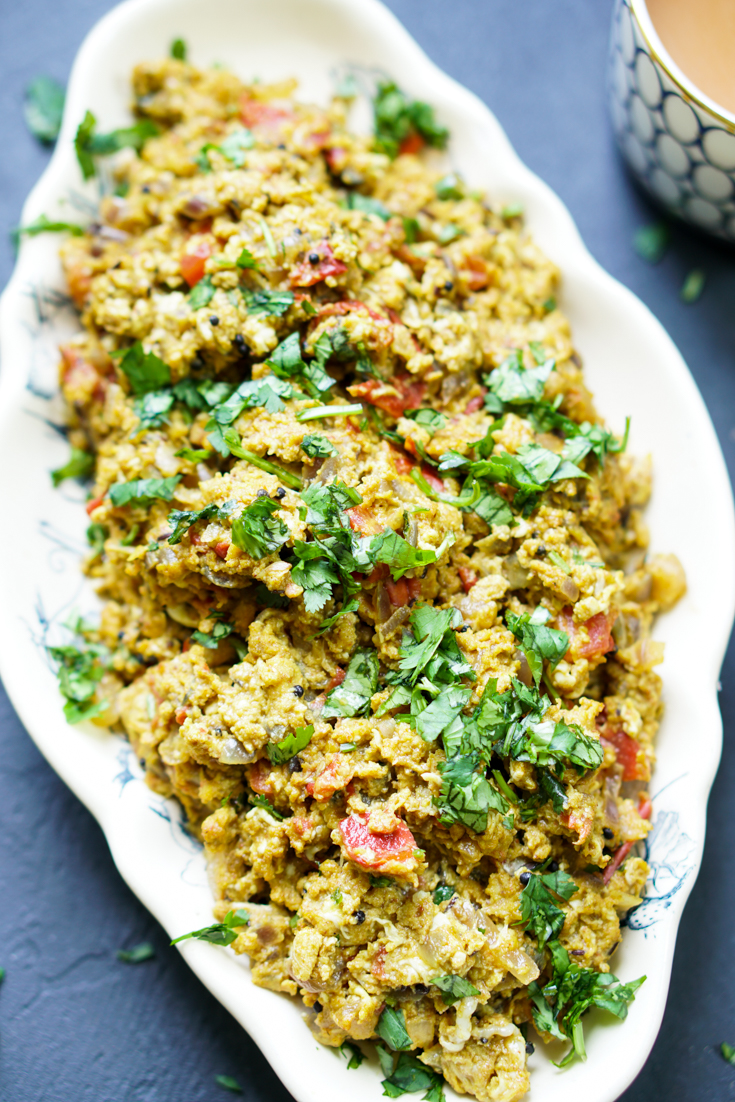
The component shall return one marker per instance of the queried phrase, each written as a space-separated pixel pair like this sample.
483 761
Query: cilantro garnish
247 260
430 419
80 464
454 988
537 641
144 370
467 796
43 224
212 639
96 536
693 285
443 892
317 446
202 293
80 669
266 805
367 205
353 1053
409 1077
137 954
392 1029
43 108
178 49
256 531
272 304
397 119
558 1007
353 696
143 490
219 933
544 919
233 442
652 241
89 144
292 744
449 187
286 363
727 1052
182 520
513 384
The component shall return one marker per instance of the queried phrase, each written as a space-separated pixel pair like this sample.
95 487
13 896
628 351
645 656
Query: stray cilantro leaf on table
43 108
652 241
219 933
228 1083
728 1053
137 954
692 286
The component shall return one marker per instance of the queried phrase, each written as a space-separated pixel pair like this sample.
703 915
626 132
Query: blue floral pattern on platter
671 857
681 153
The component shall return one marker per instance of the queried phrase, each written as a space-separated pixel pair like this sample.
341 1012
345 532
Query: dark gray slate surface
76 1025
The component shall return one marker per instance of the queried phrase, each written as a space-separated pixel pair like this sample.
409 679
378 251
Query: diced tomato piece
221 549
581 820
436 483
618 858
626 751
186 645
94 504
476 273
181 715
336 775
414 143
336 158
345 306
260 778
402 462
476 403
467 577
193 261
337 679
375 851
306 273
394 396
403 591
265 116
362 520
645 807
599 641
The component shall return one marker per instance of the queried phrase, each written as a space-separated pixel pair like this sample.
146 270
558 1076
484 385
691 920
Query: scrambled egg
411 864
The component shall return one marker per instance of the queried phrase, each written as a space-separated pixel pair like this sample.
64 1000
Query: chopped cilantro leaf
727 1052
96 536
330 621
235 146
137 954
43 108
228 1083
213 638
88 143
268 599
410 1077
513 384
219 933
652 241
539 910
353 696
392 549
449 187
538 642
353 1053
443 892
202 293
367 205
317 446
43 224
247 260
397 119
692 286
454 988
256 531
466 796
272 304
182 520
392 1029
178 49
144 370
143 490
292 744
79 672
430 419
194 455
80 464
266 805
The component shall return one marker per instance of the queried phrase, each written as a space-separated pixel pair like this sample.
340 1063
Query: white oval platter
632 367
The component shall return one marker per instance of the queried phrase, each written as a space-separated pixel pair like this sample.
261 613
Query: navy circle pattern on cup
682 154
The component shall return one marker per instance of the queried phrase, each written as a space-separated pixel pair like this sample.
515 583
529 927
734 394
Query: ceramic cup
678 142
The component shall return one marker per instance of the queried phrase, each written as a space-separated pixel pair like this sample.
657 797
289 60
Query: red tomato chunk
373 851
